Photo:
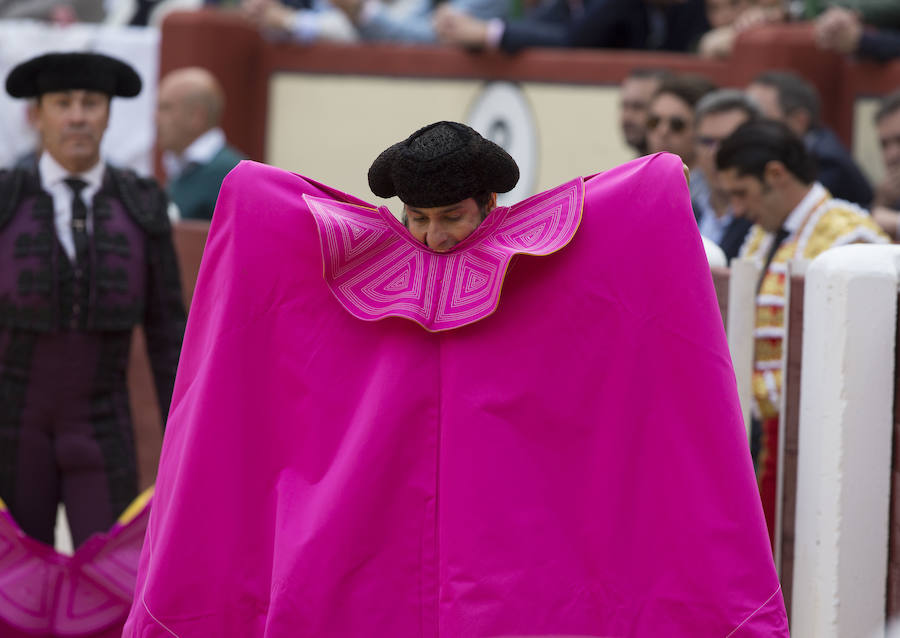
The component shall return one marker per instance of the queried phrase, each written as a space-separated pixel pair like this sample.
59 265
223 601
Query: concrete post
844 464
741 324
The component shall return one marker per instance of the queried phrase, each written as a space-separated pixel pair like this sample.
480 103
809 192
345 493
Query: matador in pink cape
375 434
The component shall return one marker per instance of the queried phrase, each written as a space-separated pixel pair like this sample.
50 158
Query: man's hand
757 16
455 27
62 15
717 43
350 7
839 30
268 14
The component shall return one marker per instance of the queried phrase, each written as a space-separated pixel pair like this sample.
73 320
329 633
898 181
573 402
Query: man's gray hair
724 100
794 92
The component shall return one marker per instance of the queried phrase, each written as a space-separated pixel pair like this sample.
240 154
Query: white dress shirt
795 220
52 181
201 151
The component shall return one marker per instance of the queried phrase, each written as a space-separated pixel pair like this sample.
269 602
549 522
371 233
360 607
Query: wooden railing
190 240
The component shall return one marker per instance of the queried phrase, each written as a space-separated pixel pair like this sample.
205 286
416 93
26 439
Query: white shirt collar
811 200
200 151
52 173
52 176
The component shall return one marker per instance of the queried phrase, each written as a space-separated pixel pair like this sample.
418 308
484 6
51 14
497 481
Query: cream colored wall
330 128
866 149
578 129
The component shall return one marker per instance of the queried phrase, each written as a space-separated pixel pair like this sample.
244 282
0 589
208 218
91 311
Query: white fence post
740 328
846 424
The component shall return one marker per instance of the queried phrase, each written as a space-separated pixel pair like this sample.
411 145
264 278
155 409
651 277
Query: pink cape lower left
47 594
571 461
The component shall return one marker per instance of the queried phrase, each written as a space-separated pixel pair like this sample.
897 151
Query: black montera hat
441 164
70 71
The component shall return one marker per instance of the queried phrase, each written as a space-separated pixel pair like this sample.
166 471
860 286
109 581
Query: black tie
79 220
779 238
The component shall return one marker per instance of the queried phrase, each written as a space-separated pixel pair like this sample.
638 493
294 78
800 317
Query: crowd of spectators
706 27
687 115
866 28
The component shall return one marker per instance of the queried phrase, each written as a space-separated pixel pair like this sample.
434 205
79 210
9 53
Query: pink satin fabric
51 595
573 463
376 269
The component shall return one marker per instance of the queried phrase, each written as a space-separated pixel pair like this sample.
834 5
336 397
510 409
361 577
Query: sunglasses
676 124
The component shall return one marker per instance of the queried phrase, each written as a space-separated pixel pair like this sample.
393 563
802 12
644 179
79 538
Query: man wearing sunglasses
717 115
670 124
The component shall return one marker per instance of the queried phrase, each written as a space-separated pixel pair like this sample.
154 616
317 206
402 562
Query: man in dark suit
196 156
86 254
716 116
788 98
844 30
622 24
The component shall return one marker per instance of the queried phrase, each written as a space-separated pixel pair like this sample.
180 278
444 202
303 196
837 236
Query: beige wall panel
578 131
866 149
330 128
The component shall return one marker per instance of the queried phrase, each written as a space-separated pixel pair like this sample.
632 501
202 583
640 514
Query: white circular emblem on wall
502 114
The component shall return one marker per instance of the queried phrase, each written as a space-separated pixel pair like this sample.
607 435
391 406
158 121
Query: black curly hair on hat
441 164
73 71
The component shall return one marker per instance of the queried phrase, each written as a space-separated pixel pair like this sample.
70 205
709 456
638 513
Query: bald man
196 157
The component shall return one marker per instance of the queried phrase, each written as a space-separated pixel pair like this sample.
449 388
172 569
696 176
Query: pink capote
86 595
573 462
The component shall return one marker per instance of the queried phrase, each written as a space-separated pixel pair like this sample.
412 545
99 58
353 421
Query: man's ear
774 172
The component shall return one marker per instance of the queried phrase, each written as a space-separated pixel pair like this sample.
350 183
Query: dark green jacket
878 13
196 189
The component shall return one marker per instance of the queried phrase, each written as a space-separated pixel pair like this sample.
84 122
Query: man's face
721 13
754 199
442 227
889 138
767 99
710 131
71 126
636 94
175 117
670 127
